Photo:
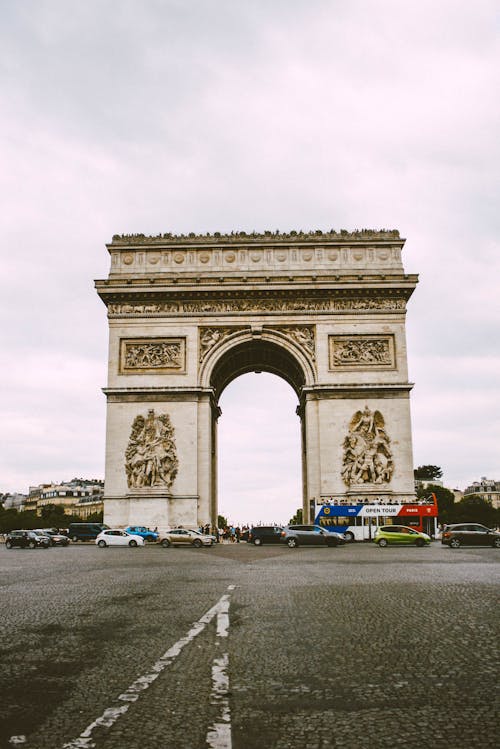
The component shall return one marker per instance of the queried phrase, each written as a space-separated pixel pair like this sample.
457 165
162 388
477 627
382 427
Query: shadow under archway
257 356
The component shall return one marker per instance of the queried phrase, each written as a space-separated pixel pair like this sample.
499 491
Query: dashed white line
219 734
220 681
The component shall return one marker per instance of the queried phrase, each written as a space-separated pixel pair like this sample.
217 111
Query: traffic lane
358 656
82 631
182 576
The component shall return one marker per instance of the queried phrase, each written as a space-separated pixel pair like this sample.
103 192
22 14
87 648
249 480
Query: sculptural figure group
367 455
150 457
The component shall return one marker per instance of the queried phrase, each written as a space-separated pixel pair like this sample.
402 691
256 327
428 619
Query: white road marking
132 693
219 734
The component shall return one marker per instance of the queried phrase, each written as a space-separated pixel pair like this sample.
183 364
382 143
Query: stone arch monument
188 314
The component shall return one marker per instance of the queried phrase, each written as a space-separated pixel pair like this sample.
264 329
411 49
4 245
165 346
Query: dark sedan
470 534
26 540
56 538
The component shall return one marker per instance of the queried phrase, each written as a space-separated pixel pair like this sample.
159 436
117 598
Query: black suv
26 539
469 534
312 535
265 534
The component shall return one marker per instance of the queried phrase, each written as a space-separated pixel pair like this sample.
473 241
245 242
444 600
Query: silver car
185 537
310 535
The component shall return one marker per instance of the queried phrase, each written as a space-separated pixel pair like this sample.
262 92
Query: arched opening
259 451
259 477
256 356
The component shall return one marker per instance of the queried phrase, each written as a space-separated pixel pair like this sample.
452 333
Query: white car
118 537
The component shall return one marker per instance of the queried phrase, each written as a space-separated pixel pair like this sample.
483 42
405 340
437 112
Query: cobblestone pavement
247 647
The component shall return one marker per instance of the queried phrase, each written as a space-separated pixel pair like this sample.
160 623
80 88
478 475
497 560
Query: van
85 531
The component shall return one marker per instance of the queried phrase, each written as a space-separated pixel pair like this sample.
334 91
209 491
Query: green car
400 535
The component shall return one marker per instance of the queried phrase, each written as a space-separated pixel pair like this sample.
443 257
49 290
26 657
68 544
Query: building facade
75 496
487 489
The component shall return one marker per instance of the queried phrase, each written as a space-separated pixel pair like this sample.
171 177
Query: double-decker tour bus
358 522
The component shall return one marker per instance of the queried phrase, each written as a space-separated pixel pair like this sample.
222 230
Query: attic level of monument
268 256
188 314
267 237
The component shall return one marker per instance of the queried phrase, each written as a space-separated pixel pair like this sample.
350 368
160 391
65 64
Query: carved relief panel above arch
361 352
210 337
303 336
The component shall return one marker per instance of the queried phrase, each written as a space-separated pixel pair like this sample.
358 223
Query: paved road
247 647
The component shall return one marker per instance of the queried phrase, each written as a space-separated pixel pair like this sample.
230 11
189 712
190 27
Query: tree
427 473
9 520
50 512
222 521
96 517
297 518
474 509
445 500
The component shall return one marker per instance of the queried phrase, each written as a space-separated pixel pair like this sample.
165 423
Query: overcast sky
176 116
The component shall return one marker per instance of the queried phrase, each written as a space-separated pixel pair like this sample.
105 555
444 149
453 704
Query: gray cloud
195 116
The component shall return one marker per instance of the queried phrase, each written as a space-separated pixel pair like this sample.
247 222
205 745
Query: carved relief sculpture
274 304
361 351
302 335
150 457
161 355
367 454
210 337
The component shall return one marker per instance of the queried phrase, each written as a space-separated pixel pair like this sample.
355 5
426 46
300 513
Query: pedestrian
237 533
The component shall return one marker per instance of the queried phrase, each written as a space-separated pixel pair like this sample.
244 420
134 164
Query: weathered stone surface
188 314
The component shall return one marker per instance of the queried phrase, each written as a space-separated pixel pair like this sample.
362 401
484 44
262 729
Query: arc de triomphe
188 314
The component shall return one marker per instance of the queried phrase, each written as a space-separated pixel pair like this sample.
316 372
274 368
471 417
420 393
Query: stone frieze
271 304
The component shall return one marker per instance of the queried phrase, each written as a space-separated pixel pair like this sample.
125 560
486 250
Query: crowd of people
230 534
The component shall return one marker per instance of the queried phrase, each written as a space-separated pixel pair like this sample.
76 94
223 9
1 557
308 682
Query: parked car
85 531
26 540
310 535
265 534
400 535
185 537
141 530
469 534
118 537
56 538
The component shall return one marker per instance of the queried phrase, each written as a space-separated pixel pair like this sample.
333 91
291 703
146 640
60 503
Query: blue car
141 530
